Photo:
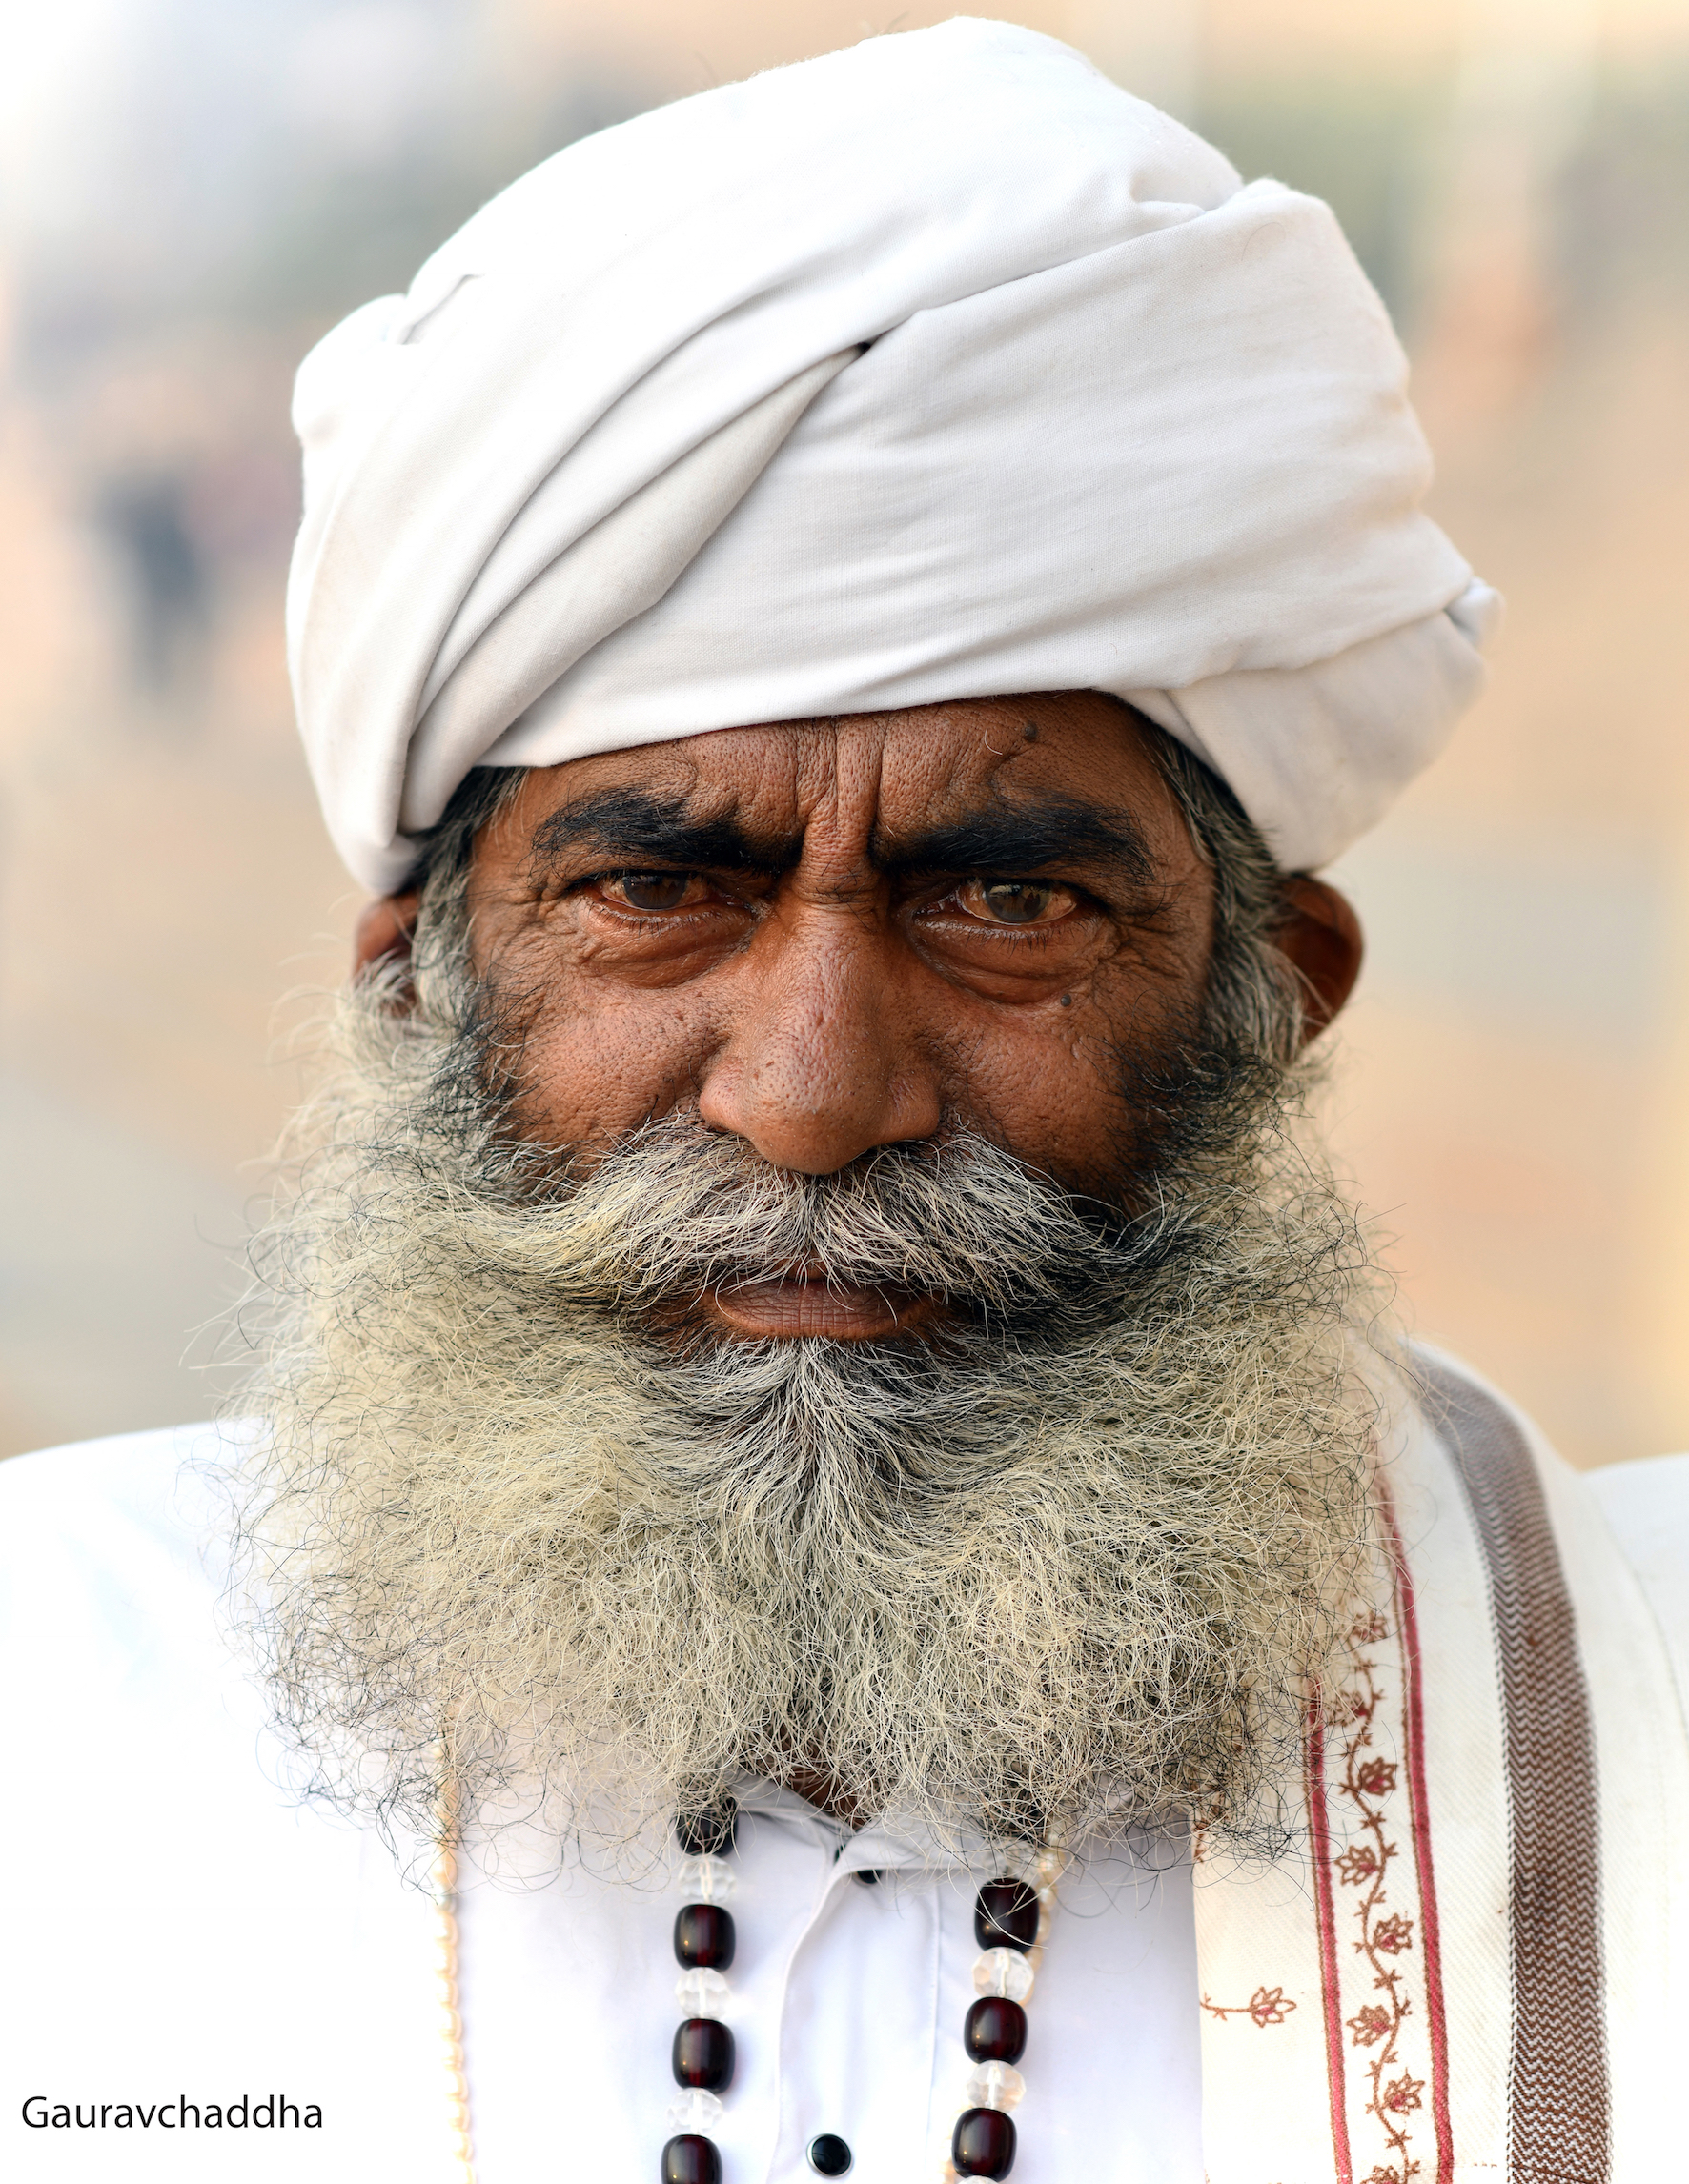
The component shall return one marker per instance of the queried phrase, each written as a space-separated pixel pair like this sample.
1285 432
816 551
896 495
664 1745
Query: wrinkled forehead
860 780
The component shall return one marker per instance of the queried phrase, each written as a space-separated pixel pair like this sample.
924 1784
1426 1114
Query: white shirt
174 1923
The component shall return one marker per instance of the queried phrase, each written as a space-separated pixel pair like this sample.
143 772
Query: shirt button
830 2156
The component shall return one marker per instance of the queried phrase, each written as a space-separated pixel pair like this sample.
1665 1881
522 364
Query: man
818 1413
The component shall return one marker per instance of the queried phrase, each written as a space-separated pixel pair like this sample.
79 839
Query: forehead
893 774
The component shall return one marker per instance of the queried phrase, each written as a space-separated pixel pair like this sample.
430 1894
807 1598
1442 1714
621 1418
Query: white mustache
681 1210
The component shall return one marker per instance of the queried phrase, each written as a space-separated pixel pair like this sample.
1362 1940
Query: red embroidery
1365 1776
1419 1823
1267 2006
1365 1783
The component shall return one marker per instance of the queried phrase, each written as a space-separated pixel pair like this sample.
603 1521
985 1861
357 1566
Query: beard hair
1067 1562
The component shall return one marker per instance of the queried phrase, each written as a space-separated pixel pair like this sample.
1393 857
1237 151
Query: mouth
807 1304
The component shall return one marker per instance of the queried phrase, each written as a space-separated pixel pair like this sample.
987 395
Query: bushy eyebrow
633 823
630 824
1027 837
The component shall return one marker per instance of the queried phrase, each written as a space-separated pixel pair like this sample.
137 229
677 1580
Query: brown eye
652 890
1015 902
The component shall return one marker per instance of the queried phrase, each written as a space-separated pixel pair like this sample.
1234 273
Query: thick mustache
678 1210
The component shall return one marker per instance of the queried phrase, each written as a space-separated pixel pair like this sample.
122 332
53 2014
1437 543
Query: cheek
1045 1088
1053 1085
594 1067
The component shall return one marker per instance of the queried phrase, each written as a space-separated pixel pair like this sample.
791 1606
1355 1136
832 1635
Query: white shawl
1472 1971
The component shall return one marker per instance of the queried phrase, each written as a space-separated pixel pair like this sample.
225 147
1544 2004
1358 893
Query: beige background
194 188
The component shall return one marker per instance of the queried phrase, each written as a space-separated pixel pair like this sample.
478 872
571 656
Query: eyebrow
635 823
1019 838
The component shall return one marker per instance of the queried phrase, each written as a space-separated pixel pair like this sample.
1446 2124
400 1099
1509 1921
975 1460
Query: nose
821 1062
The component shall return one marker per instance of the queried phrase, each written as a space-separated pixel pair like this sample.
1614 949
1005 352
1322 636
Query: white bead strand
443 1889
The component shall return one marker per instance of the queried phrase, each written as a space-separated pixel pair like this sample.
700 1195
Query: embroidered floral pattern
1363 1782
1267 2006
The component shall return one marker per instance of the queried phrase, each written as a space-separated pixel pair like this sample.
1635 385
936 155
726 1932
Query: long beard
1071 1559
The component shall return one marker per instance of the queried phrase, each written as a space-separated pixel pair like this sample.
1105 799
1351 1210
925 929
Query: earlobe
1322 937
381 941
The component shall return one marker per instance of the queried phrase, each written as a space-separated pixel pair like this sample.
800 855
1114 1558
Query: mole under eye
654 890
1015 902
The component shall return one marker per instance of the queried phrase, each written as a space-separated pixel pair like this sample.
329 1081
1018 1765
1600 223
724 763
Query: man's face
841 1027
839 935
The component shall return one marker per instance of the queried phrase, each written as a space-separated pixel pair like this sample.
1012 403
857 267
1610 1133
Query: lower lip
782 1310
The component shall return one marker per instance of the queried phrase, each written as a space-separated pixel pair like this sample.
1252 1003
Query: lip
796 1305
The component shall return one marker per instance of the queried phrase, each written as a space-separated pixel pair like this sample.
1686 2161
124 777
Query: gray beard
515 1518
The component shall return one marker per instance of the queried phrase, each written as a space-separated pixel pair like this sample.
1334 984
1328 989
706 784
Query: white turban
936 369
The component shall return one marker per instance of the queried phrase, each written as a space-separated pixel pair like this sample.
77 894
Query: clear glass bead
995 2085
694 2111
1003 1971
700 1994
707 1881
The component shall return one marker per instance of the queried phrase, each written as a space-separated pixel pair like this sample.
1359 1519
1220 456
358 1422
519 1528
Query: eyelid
628 870
1077 896
716 883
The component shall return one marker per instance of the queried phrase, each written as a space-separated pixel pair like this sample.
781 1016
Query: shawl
1468 1969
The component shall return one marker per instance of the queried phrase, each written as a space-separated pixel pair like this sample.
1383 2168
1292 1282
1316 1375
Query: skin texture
840 934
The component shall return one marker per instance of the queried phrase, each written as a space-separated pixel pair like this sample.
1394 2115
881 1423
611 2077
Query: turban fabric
936 369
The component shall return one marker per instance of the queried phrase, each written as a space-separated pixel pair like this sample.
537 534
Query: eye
1015 902
652 890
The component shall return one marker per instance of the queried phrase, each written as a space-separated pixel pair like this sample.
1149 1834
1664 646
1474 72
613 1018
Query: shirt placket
858 2020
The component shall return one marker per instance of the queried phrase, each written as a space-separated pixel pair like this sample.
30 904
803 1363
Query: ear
381 940
1321 934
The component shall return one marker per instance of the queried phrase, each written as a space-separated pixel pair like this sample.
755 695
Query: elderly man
828 1514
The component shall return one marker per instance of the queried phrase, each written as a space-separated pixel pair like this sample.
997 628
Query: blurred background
192 191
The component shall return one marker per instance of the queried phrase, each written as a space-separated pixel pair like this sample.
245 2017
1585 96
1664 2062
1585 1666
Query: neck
820 1788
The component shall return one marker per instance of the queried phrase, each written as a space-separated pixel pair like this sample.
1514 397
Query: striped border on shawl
1319 1848
1430 1929
1558 2120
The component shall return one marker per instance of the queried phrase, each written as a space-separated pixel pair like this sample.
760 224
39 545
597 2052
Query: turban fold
938 368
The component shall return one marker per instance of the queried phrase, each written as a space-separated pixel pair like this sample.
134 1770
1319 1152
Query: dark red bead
994 2030
691 2159
703 2054
704 1934
707 1835
982 2143
1005 1915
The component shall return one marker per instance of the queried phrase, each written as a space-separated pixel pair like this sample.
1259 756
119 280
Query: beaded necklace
443 1890
1011 1920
